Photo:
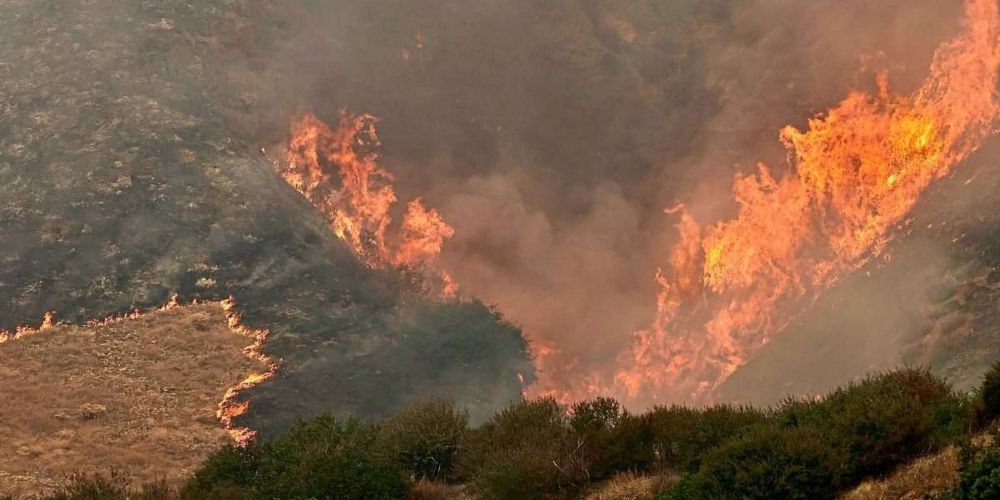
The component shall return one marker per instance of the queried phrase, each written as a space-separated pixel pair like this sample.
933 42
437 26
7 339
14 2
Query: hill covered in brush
905 425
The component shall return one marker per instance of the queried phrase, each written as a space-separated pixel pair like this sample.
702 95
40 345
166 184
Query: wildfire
49 321
856 172
231 406
337 170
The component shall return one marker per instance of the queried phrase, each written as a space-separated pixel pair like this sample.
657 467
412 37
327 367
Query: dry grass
138 395
432 490
919 479
926 475
630 486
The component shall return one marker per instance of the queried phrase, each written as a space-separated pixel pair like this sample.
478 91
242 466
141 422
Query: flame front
233 405
337 170
857 171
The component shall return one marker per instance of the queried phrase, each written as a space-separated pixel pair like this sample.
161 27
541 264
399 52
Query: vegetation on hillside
539 449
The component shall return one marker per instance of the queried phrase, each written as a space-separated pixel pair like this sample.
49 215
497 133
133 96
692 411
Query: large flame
857 171
337 170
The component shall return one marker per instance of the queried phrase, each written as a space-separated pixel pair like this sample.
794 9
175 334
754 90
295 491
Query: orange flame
358 206
48 321
231 406
857 171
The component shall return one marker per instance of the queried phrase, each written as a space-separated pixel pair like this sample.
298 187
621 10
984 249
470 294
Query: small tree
424 438
528 451
615 440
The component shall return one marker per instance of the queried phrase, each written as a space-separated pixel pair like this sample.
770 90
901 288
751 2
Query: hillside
130 171
931 302
139 395
138 143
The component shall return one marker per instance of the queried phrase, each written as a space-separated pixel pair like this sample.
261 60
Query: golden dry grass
926 475
921 478
630 486
138 395
432 490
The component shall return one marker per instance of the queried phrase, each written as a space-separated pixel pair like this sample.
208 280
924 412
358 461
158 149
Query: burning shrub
424 438
320 458
682 435
527 451
614 440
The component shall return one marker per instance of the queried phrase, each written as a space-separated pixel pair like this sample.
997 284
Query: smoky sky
551 135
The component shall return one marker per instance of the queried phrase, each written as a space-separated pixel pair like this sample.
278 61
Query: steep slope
128 173
934 301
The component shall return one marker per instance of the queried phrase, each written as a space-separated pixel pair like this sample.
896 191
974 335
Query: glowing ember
857 172
336 169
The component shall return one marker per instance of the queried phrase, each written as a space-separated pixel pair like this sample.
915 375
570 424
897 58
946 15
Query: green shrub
527 451
989 396
229 468
884 420
614 440
980 477
765 463
814 449
979 471
112 487
681 435
320 458
424 438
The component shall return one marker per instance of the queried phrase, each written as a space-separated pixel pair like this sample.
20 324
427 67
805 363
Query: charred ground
126 178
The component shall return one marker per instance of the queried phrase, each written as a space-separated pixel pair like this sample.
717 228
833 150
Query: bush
112 487
816 449
989 396
527 451
320 458
681 435
614 441
424 438
979 472
766 463
231 468
883 421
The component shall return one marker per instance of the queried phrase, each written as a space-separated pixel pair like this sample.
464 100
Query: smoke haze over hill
550 135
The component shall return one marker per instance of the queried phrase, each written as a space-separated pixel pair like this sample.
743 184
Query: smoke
551 136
